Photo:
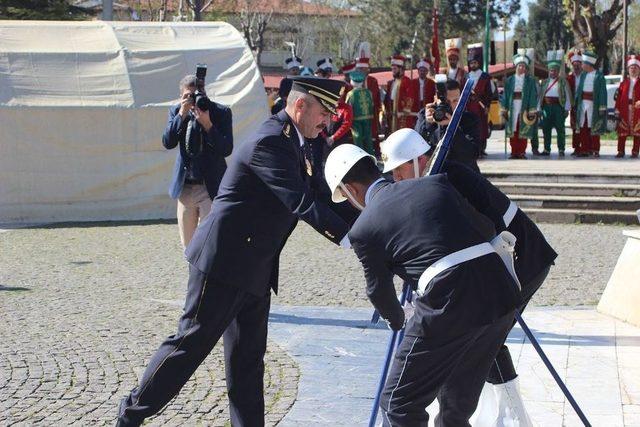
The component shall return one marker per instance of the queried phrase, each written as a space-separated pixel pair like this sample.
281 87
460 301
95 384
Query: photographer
204 134
434 119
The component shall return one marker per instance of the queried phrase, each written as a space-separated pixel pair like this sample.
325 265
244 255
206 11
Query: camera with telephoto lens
442 108
198 97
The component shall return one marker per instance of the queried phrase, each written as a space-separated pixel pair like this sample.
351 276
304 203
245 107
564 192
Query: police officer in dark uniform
408 156
466 300
234 258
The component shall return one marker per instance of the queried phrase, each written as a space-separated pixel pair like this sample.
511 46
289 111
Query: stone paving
340 354
80 317
83 308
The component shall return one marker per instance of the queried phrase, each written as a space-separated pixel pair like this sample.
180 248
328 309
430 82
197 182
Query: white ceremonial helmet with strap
339 163
403 146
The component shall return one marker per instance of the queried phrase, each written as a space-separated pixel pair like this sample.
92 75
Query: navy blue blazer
408 226
218 144
263 194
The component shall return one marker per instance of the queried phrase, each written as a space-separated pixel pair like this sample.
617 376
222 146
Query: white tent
83 106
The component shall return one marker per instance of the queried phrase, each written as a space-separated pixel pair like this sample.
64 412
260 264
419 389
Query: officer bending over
407 157
464 309
234 259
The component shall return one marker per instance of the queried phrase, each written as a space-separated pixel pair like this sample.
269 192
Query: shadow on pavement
320 321
13 288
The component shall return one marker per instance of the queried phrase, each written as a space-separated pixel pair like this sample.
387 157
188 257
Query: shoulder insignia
287 130
331 236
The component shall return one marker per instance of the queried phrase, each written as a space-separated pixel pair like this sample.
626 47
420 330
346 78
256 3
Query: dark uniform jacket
532 252
217 144
429 220
466 145
263 194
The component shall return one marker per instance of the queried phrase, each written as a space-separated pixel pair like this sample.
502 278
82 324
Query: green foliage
633 31
390 25
39 10
546 28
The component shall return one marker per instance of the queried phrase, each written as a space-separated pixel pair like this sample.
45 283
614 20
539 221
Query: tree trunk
197 10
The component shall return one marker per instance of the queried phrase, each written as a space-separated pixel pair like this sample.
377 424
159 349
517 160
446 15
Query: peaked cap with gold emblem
326 91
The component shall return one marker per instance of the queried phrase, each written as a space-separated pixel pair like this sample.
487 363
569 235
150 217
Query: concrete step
565 178
586 216
596 203
569 189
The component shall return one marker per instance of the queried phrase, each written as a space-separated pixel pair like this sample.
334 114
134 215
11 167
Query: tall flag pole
487 41
435 49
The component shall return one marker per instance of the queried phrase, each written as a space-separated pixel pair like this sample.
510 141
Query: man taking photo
205 138
466 146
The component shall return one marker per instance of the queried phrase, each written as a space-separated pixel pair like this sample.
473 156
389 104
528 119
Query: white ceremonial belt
504 245
452 260
510 213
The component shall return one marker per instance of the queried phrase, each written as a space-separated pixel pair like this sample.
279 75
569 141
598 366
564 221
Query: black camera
198 97
442 108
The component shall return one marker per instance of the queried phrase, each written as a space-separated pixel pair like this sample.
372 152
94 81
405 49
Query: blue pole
551 369
394 341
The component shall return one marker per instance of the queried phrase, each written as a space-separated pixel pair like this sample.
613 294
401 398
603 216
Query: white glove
409 310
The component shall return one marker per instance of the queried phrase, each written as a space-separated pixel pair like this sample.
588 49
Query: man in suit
234 257
205 138
408 156
466 296
467 140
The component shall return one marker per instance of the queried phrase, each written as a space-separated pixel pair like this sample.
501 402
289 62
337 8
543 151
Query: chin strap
350 196
416 168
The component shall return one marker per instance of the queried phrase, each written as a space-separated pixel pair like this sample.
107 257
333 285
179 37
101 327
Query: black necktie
307 157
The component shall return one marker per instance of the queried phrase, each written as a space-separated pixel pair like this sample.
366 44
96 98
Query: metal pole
504 76
107 10
625 18
552 370
391 347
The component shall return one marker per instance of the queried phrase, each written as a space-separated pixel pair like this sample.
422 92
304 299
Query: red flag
435 49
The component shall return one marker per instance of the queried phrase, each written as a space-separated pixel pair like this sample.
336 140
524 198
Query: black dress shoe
560 153
545 153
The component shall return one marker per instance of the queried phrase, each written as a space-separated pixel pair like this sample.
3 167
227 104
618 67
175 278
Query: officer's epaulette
286 130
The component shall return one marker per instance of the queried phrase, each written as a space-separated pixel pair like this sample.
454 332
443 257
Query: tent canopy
83 106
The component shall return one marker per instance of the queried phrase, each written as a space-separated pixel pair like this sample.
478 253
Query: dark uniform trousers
423 369
502 369
210 310
535 255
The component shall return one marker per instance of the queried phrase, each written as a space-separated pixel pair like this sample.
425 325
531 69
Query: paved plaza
85 305
84 308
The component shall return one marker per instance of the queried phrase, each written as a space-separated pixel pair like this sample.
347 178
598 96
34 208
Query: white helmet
402 146
339 163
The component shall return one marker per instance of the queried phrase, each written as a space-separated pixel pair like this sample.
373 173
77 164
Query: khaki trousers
194 205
